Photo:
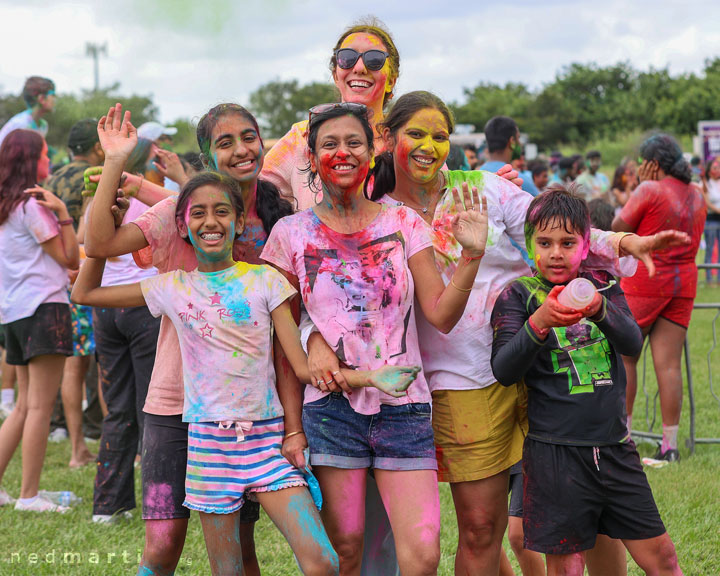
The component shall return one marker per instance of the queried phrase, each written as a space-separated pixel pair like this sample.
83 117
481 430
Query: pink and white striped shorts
221 470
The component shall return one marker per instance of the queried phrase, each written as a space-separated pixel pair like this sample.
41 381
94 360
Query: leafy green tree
279 104
487 100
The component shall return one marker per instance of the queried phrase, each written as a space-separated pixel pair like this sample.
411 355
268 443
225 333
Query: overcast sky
192 54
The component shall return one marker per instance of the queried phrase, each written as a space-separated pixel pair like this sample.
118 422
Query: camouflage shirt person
68 184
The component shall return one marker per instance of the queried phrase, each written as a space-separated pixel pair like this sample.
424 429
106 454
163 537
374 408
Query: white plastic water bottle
62 498
578 294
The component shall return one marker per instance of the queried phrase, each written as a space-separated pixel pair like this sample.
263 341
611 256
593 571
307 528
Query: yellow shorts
478 433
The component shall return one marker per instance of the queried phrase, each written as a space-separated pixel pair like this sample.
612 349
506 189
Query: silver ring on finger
321 382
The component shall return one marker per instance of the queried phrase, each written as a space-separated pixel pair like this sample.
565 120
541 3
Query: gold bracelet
293 434
452 281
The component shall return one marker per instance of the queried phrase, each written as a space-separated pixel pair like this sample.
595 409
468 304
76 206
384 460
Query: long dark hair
222 182
19 156
709 165
667 153
400 114
270 205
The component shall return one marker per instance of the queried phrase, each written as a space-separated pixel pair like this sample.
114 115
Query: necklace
423 209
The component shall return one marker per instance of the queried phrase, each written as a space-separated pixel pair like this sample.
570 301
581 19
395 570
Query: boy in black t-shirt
582 473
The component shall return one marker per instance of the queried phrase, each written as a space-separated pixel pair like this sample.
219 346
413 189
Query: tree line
585 102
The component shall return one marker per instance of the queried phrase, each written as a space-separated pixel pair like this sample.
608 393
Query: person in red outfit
662 304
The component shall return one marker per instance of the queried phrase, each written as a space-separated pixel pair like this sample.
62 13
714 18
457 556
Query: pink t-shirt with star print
224 327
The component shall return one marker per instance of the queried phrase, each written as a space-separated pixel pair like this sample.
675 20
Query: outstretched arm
393 380
87 289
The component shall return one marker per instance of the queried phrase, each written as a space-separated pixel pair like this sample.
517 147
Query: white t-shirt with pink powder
224 327
167 251
28 275
359 292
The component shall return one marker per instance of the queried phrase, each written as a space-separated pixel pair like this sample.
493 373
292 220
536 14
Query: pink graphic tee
224 327
359 292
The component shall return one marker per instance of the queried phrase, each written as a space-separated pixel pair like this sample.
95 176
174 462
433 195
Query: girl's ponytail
270 205
382 176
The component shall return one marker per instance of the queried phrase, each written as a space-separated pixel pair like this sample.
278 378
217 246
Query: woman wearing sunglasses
358 266
365 65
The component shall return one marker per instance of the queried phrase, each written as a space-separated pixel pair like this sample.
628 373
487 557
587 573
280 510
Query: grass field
688 496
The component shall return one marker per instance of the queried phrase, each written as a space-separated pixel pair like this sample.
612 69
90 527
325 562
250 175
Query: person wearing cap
39 96
85 152
162 137
156 132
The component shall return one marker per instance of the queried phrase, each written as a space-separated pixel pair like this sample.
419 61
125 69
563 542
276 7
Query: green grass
688 496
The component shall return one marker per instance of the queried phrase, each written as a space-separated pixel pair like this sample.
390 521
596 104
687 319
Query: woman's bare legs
292 510
666 341
343 513
481 507
531 563
44 375
607 557
73 384
12 428
412 501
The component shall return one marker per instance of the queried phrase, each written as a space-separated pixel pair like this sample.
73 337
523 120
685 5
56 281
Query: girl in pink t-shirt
359 266
38 246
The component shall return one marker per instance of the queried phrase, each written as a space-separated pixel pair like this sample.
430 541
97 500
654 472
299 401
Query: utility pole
94 50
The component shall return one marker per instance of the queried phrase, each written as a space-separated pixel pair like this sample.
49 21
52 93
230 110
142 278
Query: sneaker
661 458
669 455
40 504
58 435
111 518
5 498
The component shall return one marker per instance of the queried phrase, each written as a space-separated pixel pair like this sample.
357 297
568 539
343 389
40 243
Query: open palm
470 224
118 137
394 380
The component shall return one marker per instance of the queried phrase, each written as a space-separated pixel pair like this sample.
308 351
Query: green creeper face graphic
585 357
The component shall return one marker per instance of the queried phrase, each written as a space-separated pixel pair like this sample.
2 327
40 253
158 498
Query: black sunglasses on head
374 60
353 107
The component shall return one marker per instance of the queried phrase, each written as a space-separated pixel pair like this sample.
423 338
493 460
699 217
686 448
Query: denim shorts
396 438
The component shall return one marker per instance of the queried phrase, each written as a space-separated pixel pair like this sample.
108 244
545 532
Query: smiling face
211 224
342 154
236 148
43 167
421 146
358 84
557 252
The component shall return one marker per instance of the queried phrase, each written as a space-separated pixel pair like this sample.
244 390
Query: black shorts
573 493
516 491
164 462
48 331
